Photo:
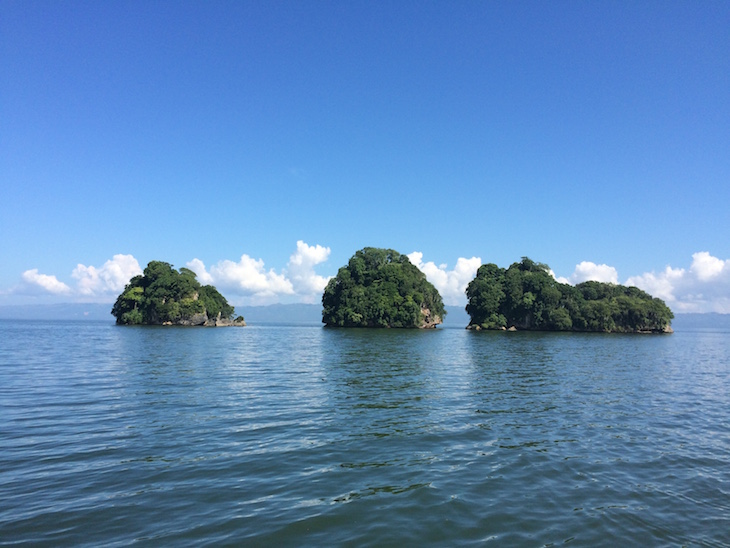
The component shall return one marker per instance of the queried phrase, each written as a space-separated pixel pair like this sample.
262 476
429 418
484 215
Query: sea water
277 435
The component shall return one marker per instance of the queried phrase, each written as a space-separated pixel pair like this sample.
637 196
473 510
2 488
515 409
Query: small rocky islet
163 295
381 288
526 296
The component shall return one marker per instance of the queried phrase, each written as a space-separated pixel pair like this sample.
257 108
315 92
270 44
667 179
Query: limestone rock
225 322
429 321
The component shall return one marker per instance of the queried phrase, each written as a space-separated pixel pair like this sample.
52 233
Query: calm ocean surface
298 435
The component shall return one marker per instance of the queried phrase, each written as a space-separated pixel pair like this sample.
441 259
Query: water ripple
301 435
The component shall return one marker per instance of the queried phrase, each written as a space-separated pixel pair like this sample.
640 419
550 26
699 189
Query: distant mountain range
67 311
275 313
297 314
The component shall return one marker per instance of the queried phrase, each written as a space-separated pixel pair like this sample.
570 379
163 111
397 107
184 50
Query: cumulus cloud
450 283
559 279
661 285
246 277
704 287
588 271
109 279
44 282
92 282
198 266
249 278
300 270
706 267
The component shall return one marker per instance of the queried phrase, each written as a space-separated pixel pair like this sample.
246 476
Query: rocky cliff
429 320
204 320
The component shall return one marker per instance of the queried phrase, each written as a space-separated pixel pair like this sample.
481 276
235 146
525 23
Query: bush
379 288
527 296
162 294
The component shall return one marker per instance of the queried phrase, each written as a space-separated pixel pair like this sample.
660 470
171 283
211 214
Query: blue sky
263 143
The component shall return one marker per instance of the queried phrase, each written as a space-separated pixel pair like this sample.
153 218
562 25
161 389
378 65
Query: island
381 288
165 296
527 296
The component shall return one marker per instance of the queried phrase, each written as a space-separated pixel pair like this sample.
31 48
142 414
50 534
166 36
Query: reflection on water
377 385
302 435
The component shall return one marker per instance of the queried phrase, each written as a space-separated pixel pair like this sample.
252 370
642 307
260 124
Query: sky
262 143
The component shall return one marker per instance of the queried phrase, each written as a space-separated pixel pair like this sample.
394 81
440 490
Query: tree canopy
527 296
381 288
164 295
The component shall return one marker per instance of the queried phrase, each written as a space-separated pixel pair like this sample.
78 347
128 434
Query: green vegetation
527 296
381 288
164 295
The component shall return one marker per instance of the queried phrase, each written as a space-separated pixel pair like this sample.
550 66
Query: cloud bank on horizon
703 287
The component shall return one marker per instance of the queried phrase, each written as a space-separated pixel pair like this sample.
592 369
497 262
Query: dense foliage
162 294
527 296
380 288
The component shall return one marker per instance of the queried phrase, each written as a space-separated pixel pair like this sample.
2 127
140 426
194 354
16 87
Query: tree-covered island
527 296
164 296
381 288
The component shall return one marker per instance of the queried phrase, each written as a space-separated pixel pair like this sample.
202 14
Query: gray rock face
195 319
204 320
224 322
429 321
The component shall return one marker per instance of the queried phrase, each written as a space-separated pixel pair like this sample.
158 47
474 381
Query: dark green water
296 435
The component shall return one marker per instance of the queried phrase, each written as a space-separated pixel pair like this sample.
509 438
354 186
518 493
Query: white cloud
32 279
101 283
249 278
588 271
706 267
559 279
245 277
704 287
450 283
659 285
197 266
300 270
107 280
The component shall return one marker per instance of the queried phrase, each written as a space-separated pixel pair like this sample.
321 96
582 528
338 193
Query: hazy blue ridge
63 311
295 314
